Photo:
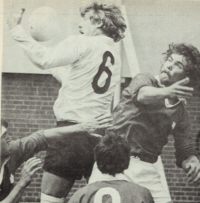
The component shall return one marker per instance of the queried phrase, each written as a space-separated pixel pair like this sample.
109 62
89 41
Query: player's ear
99 24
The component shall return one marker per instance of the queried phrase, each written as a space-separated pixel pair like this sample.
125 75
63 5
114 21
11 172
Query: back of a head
112 154
113 24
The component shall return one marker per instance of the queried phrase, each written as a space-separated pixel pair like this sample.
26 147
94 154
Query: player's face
86 26
4 143
173 69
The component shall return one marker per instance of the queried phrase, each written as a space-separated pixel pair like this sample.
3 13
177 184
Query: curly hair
112 154
113 24
192 56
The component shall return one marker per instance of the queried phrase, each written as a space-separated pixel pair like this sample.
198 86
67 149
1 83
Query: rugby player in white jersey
87 88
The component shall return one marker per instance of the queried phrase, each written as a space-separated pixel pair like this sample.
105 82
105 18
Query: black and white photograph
100 101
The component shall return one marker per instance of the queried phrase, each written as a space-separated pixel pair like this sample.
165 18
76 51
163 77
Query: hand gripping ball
43 24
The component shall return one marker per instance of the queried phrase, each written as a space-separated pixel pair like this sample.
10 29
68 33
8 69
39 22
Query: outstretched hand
99 125
192 168
179 90
30 167
15 19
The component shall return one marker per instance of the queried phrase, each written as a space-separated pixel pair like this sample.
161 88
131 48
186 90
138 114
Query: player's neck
99 32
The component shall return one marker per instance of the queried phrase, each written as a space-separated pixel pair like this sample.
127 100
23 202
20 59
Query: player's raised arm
29 169
62 54
149 95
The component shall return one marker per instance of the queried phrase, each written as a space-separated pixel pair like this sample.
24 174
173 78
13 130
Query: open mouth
166 74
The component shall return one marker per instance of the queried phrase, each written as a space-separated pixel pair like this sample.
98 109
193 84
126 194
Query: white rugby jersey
88 83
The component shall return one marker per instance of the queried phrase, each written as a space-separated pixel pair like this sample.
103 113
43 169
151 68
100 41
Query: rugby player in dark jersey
151 109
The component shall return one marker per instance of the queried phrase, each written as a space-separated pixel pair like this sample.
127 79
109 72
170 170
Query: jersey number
103 68
98 198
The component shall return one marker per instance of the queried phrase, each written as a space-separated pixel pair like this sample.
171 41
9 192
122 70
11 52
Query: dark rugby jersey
146 127
115 191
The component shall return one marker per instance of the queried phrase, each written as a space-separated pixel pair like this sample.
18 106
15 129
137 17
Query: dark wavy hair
111 18
112 154
192 57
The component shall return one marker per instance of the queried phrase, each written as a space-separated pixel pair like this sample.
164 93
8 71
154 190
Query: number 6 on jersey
103 68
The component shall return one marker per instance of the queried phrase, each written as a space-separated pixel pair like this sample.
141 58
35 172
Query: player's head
181 61
112 154
102 18
4 140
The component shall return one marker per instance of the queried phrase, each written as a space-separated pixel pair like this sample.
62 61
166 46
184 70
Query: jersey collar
106 177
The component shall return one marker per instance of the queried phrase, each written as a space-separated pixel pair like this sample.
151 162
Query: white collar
107 177
167 104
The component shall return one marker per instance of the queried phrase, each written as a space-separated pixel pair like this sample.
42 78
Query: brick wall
27 102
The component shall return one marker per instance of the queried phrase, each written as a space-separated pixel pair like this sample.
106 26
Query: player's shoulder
76 38
144 79
136 187
100 40
84 192
81 41
79 194
140 191
92 41
145 76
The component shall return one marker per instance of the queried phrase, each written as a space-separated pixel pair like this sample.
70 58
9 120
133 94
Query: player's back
87 91
117 191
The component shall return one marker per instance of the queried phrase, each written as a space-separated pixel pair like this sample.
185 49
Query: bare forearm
151 95
15 194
